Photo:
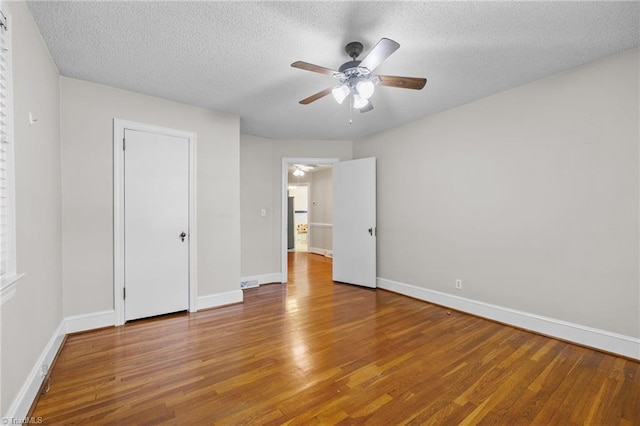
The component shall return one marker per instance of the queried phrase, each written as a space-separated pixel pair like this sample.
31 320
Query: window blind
6 158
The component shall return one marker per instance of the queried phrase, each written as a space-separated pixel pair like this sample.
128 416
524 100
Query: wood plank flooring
313 352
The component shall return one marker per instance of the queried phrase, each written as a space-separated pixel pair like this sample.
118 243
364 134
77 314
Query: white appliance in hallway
300 230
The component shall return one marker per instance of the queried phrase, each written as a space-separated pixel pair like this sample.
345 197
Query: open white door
354 222
156 222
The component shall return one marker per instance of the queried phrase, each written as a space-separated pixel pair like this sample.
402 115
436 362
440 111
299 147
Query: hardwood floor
315 352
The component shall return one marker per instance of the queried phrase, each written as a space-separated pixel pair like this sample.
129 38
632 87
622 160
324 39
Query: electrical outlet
458 284
45 369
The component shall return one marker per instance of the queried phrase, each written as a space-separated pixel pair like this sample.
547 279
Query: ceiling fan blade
368 107
316 96
311 67
402 82
379 53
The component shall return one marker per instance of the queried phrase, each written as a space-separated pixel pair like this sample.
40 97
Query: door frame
286 161
119 127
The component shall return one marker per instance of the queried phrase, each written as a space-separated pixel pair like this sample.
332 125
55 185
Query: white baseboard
583 335
219 299
90 321
20 406
599 339
322 252
262 279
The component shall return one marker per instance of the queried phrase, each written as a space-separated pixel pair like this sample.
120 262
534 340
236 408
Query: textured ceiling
235 56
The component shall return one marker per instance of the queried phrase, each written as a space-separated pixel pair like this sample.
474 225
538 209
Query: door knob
182 236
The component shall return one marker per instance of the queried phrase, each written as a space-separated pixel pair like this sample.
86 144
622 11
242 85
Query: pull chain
351 110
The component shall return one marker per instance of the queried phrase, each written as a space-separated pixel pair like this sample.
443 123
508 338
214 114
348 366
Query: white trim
193 223
316 250
275 277
119 127
599 339
20 406
283 195
90 321
8 289
219 299
323 252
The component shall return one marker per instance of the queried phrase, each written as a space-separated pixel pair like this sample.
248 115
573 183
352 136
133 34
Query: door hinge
123 144
124 293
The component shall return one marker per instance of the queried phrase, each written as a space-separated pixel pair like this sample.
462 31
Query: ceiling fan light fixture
298 172
340 92
365 88
359 101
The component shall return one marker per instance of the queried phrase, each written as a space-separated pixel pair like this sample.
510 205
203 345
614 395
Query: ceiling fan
301 169
356 78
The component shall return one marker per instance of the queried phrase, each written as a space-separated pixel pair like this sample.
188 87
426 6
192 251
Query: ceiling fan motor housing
351 68
344 68
350 73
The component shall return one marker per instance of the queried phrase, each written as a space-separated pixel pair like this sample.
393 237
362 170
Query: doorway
352 227
154 221
306 230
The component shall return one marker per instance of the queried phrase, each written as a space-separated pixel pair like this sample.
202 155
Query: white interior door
156 224
354 222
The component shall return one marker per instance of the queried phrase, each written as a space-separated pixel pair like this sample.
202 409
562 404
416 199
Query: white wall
87 113
261 187
32 316
530 196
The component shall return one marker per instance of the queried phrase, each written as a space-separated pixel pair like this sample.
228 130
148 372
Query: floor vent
249 284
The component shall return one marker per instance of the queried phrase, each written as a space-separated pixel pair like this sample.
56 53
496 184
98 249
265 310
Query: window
8 276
